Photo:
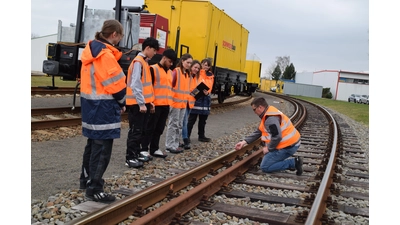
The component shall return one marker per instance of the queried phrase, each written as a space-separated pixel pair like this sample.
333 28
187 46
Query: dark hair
109 27
207 60
151 42
170 54
259 101
184 57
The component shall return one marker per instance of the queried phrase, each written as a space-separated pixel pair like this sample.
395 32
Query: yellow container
200 28
253 70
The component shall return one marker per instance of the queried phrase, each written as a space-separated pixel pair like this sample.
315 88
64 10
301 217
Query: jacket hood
95 49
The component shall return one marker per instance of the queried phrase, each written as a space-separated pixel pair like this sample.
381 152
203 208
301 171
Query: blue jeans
185 122
277 160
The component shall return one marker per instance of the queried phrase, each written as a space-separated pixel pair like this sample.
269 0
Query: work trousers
155 128
277 160
96 158
201 126
174 129
137 123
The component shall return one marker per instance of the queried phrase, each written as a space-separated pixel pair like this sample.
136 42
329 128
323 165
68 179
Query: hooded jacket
103 91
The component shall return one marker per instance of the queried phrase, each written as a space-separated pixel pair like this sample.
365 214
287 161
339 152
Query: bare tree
283 62
268 72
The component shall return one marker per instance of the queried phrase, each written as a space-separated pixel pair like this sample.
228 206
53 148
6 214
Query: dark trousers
155 128
201 125
137 123
96 158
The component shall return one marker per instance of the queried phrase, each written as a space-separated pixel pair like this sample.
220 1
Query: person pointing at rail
279 136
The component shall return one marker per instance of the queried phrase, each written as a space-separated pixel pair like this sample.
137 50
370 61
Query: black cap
170 54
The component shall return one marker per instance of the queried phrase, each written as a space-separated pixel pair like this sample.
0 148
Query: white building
342 83
39 51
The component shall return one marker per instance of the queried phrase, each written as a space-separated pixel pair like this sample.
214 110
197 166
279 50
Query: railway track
46 118
219 188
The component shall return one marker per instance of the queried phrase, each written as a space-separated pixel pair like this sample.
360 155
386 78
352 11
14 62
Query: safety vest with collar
147 86
180 91
290 135
162 86
101 77
194 81
208 78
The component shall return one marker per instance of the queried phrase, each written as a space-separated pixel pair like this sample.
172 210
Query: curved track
213 185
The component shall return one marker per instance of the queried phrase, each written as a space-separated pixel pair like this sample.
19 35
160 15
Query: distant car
354 98
364 99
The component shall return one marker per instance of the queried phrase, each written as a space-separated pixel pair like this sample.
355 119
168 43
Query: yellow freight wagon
205 31
253 70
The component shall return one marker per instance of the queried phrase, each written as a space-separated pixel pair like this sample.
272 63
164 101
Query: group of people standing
151 94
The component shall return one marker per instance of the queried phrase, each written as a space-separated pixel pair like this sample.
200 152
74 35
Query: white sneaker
159 154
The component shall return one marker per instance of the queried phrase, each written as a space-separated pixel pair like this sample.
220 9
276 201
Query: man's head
150 47
168 59
259 105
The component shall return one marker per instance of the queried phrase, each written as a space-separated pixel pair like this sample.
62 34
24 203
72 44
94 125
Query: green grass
358 112
37 81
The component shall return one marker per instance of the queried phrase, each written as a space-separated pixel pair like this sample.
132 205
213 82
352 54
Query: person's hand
205 92
123 109
265 150
152 108
240 145
143 109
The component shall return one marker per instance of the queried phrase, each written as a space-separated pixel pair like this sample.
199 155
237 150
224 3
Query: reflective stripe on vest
290 135
148 92
162 86
181 90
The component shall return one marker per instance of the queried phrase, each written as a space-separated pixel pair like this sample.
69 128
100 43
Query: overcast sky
317 35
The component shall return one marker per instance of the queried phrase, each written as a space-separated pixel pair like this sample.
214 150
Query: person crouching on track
162 80
180 90
281 139
103 90
139 101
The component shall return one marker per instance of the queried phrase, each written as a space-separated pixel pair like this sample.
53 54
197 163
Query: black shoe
133 163
181 145
145 156
186 144
175 151
204 139
159 154
83 184
101 197
298 163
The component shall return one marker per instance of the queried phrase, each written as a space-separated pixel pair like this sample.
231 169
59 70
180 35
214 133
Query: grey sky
317 35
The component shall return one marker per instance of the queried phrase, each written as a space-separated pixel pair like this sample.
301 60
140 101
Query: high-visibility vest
290 135
180 91
162 86
209 80
194 81
148 92
101 113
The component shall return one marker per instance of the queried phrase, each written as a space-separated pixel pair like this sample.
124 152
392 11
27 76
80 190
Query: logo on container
228 45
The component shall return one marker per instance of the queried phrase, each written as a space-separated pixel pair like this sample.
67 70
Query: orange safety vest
148 91
209 80
290 135
194 81
180 91
162 86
